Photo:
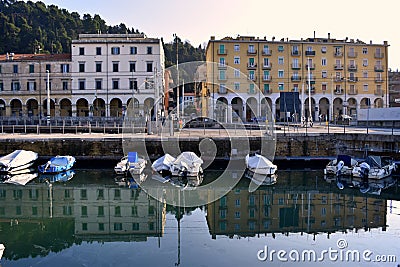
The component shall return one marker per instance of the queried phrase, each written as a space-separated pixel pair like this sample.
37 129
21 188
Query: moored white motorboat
163 164
17 161
374 167
259 164
346 167
57 164
122 166
187 164
136 165
261 179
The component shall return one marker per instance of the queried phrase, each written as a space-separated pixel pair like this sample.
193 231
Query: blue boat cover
346 160
132 157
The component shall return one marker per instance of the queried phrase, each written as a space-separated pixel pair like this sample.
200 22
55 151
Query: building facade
99 78
248 73
23 84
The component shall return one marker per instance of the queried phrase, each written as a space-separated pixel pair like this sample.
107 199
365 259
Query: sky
197 21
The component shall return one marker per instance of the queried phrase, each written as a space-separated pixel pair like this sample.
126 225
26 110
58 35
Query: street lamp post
48 97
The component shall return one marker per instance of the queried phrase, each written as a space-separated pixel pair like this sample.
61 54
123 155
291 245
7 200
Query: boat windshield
59 161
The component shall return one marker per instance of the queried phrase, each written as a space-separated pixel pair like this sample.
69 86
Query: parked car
201 122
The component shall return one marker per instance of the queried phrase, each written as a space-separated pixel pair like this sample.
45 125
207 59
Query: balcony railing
222 90
296 66
222 78
338 79
352 67
312 91
312 79
267 78
222 65
251 91
338 66
267 91
379 55
296 53
352 79
251 52
352 54
378 68
310 53
251 66
252 78
312 66
266 52
378 92
338 53
222 51
379 80
267 67
296 78
338 91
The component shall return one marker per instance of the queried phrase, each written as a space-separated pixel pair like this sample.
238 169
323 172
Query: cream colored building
251 72
23 84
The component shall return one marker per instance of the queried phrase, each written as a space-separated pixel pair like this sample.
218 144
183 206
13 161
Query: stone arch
324 108
82 108
32 107
337 108
378 103
52 108
251 108
65 108
237 109
221 109
365 103
116 107
307 108
99 107
16 107
2 108
148 106
352 106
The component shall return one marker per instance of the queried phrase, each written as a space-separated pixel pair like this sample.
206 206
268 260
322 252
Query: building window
365 62
251 49
323 87
236 60
133 50
280 60
222 61
101 226
81 84
237 214
236 73
1 86
15 69
98 66
48 67
135 226
81 67
237 202
365 50
98 84
81 51
236 47
133 84
98 51
149 66
117 194
323 49
149 50
115 66
280 48
31 86
115 50
117 211
134 211
365 74
365 87
222 49
117 226
65 85
115 84
324 74
15 86
31 68
64 68
237 86
132 66
281 74
323 62
100 211
84 211
266 88
281 86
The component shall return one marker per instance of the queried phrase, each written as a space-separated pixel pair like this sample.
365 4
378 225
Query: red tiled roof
34 57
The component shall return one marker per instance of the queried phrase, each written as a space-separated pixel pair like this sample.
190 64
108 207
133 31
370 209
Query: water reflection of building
97 212
278 211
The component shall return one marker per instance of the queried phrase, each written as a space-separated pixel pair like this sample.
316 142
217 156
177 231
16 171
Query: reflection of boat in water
365 185
136 165
187 164
346 167
122 166
260 165
17 161
374 167
2 248
182 182
58 177
261 179
20 179
57 164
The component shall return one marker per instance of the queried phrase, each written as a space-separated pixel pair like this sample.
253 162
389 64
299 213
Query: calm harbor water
95 220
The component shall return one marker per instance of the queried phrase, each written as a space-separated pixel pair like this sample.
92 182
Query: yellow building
349 73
